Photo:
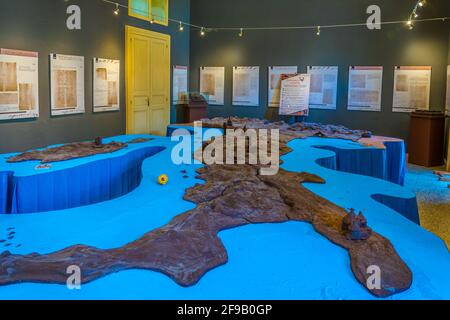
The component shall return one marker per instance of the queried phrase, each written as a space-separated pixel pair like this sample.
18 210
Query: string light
409 23
414 14
318 31
241 33
117 10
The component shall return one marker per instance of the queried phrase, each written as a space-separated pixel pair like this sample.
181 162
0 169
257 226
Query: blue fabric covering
5 186
396 161
388 164
406 207
372 162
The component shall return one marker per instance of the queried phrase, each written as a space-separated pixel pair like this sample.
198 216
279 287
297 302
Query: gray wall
427 44
39 25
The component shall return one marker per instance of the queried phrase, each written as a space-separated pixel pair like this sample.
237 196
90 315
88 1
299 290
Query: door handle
148 102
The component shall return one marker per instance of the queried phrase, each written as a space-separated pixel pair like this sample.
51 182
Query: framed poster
411 89
294 97
180 84
274 85
246 86
106 93
19 84
364 88
212 85
324 82
66 84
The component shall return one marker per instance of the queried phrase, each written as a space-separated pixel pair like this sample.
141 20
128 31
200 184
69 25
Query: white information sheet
274 85
106 85
180 84
448 91
212 85
294 100
66 84
19 84
364 88
324 82
246 86
411 89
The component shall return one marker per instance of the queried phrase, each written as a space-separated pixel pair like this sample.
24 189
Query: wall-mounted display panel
180 84
19 84
411 89
324 83
106 85
365 88
66 84
246 86
212 85
274 85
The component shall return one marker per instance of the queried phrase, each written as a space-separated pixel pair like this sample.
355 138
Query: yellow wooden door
147 81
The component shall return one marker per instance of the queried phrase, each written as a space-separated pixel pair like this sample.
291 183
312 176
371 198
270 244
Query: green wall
40 25
427 44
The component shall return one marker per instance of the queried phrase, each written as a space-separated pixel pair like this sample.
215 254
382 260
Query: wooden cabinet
426 138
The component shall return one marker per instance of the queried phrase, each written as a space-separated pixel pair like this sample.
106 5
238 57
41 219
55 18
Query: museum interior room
224 150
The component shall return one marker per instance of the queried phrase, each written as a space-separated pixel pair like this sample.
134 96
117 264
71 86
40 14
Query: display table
293 260
73 183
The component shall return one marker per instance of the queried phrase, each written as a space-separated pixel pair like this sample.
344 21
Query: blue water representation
266 261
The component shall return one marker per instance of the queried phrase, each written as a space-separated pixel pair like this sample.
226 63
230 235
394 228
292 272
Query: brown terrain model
232 196
73 151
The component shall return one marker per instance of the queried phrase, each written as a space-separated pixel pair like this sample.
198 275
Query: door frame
128 76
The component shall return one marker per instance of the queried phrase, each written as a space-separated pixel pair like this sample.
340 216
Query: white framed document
212 85
294 97
411 89
246 86
66 84
324 83
19 84
180 84
365 88
106 83
274 83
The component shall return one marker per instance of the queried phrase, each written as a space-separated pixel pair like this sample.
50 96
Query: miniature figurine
355 226
98 142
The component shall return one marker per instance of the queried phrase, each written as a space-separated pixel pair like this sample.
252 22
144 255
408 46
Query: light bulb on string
117 10
202 32
318 31
181 27
241 33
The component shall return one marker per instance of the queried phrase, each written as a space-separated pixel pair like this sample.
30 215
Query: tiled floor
433 198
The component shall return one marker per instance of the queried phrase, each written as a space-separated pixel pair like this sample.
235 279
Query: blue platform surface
266 261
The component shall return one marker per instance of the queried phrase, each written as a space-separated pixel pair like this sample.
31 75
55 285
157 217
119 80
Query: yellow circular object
163 179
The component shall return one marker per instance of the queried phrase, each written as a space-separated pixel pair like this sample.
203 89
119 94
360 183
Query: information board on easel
294 97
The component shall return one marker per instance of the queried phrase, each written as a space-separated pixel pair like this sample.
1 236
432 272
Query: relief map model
232 196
